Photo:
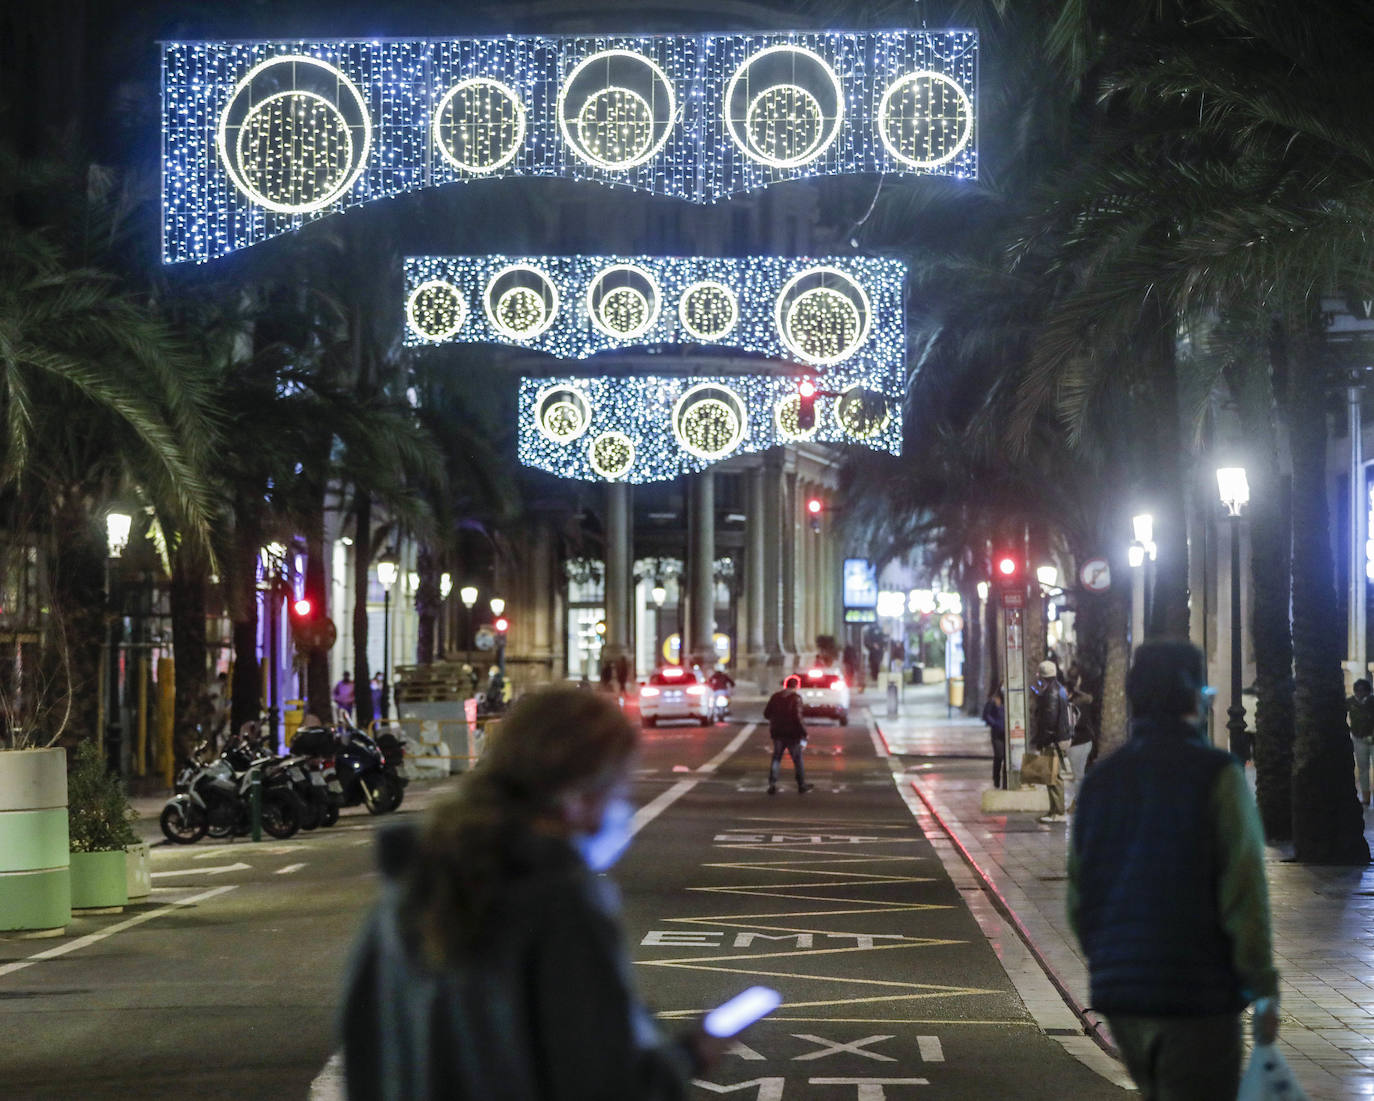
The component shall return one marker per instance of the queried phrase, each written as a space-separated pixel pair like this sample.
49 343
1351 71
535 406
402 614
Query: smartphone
741 1011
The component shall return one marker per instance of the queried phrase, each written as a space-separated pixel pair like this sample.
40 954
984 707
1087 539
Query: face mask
602 849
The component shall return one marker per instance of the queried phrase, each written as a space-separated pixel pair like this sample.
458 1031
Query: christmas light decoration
827 312
259 137
652 428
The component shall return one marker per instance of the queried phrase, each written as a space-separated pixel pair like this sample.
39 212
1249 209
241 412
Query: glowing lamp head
814 506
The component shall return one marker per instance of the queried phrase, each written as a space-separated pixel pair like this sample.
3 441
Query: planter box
35 882
99 880
140 883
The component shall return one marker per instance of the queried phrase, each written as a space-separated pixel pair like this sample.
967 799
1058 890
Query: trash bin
956 691
292 717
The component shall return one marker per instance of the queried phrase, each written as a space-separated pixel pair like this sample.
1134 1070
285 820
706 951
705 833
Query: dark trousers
999 759
1181 1058
793 750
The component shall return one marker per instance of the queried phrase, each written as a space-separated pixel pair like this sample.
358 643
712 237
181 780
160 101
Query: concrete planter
35 880
99 881
137 875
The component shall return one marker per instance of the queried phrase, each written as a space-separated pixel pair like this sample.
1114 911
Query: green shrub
98 813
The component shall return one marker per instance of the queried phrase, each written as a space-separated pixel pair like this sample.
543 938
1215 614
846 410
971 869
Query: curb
1093 1023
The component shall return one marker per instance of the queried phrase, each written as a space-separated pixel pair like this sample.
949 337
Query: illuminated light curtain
650 428
259 137
821 313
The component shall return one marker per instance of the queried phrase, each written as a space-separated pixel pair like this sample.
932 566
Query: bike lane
838 899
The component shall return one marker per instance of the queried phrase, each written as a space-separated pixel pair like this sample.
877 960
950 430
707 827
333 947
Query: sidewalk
1323 917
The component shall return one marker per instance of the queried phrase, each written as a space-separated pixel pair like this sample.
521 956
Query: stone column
754 552
619 556
701 593
773 539
790 566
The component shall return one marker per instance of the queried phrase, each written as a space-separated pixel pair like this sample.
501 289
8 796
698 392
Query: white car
676 693
824 692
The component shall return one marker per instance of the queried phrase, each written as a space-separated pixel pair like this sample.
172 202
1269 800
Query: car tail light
673 671
839 682
815 674
696 690
647 690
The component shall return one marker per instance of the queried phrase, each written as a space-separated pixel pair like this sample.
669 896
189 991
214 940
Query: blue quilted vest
1148 877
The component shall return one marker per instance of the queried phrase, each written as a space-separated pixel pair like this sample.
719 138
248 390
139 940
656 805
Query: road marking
869 1089
826 1048
879 746
289 869
218 869
666 799
725 754
329 1084
930 1049
769 1089
92 938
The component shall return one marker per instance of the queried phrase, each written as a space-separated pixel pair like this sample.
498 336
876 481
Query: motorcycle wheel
381 793
311 814
330 815
182 825
280 815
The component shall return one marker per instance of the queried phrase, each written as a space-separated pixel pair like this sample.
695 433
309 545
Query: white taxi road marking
930 1049
218 869
827 1048
289 869
92 938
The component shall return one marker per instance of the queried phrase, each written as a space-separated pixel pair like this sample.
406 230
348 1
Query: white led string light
359 120
651 428
435 311
624 312
520 313
490 140
708 311
827 323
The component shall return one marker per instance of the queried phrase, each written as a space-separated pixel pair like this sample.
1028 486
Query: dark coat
543 1010
784 714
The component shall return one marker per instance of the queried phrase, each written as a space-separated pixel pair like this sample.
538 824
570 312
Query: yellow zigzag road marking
731 921
773 1018
865 859
917 989
792 954
823 822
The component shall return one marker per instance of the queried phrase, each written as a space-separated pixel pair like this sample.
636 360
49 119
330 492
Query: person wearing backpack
1052 732
784 714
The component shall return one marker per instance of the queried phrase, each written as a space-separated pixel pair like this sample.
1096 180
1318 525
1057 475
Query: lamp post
273 558
1234 491
117 525
387 572
468 595
497 607
445 588
1048 578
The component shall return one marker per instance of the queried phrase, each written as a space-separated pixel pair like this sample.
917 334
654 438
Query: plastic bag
1268 1077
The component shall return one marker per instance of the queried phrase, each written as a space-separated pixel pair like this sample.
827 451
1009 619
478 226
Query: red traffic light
502 624
814 506
1006 567
806 388
302 608
806 405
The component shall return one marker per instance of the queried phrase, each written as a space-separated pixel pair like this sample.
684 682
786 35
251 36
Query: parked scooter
363 772
215 798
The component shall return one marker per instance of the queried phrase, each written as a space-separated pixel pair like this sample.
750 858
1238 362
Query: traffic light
310 630
1008 570
502 625
806 405
814 507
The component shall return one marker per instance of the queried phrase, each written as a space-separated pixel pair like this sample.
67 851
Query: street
224 983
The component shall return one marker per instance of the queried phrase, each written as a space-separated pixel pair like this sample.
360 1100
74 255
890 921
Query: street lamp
445 585
659 594
1234 491
387 572
468 595
497 605
117 525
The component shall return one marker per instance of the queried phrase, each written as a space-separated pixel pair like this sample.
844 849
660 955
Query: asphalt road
224 984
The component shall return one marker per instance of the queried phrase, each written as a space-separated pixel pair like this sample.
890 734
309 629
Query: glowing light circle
294 151
774 109
612 125
520 302
787 420
624 301
825 322
916 116
611 455
709 421
862 413
479 125
562 413
436 310
708 310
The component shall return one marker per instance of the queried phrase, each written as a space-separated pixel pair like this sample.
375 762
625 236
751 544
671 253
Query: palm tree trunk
1328 826
973 650
241 590
1168 613
1112 731
187 598
362 560
426 605
317 687
78 602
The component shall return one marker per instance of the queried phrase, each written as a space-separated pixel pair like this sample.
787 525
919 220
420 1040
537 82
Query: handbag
1268 1077
1035 768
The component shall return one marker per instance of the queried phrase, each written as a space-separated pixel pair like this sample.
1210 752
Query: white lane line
289 869
879 747
218 869
92 938
329 1083
930 1049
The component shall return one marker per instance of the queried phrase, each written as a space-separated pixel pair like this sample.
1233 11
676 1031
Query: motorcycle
216 798
364 773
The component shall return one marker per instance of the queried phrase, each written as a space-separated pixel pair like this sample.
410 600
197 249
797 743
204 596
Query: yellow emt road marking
805 953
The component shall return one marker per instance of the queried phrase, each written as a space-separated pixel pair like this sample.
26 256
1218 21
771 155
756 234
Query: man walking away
1052 728
784 714
1167 893
1359 708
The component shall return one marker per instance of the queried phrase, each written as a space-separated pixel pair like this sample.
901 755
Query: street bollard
891 697
255 803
